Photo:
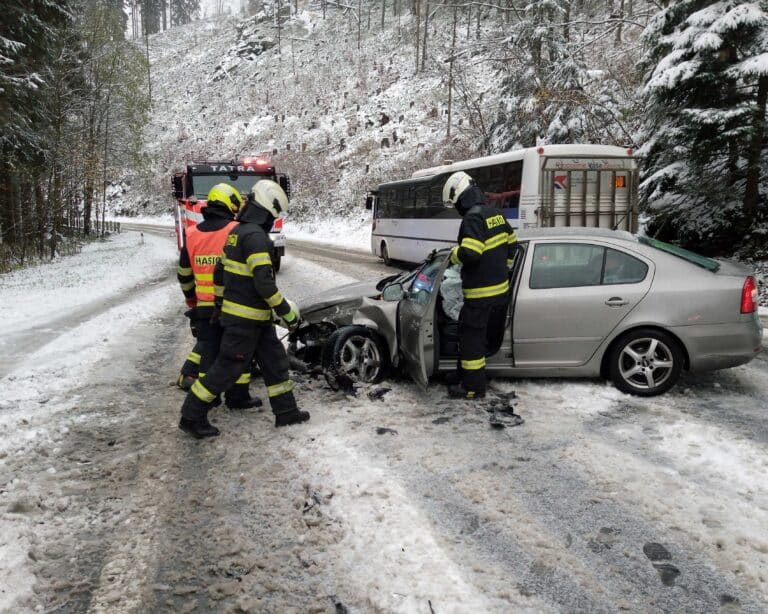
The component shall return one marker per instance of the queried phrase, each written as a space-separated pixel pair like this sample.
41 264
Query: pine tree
705 96
184 11
548 93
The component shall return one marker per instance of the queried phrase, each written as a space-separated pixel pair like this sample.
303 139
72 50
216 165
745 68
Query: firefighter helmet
226 195
455 186
268 195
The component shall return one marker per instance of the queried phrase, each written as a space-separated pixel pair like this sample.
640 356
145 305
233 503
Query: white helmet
279 320
270 196
455 186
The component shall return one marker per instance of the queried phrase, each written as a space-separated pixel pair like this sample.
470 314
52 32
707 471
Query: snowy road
409 503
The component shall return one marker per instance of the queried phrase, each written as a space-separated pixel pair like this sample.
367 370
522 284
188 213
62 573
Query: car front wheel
355 354
645 362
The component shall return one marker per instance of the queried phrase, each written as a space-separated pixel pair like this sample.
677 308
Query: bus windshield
202 184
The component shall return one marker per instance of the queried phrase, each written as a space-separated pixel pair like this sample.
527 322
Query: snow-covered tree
184 11
705 100
549 94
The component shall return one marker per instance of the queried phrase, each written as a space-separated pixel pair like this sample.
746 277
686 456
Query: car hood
342 294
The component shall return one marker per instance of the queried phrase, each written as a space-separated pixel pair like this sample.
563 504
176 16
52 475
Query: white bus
555 185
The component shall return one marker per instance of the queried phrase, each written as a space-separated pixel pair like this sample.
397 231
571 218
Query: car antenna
616 225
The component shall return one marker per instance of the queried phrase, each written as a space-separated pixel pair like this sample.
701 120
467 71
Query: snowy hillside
338 119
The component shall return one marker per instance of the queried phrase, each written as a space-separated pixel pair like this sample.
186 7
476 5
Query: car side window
566 265
621 268
424 283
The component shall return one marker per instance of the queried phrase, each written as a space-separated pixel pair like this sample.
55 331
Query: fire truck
191 187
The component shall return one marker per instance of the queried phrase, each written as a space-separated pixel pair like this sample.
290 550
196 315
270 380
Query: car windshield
693 258
406 277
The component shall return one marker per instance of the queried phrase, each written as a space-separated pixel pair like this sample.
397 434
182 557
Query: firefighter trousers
477 318
209 338
191 365
238 346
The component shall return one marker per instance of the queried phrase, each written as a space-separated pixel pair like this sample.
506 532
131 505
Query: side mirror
369 202
178 186
285 183
393 292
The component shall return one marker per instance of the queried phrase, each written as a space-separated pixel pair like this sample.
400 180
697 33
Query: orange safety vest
205 250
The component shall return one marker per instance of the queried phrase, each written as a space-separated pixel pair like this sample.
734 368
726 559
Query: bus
554 185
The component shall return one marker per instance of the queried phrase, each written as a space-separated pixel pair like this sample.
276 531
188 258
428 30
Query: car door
416 320
569 302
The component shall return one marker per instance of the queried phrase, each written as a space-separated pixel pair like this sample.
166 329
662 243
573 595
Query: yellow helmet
226 195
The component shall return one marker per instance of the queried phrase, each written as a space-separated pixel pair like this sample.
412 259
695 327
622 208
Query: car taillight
278 225
749 295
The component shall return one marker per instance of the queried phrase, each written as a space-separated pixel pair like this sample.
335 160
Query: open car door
416 319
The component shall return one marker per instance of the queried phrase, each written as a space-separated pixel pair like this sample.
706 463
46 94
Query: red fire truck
191 187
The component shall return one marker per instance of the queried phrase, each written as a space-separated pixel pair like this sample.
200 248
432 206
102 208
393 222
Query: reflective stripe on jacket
486 245
248 279
205 249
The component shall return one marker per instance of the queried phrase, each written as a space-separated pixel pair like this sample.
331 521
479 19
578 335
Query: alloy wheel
360 358
646 363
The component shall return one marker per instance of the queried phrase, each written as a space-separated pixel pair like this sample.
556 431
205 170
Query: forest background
346 94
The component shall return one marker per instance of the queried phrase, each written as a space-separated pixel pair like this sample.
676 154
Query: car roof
575 232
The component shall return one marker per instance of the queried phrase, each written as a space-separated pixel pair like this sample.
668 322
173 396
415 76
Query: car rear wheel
645 362
354 354
276 258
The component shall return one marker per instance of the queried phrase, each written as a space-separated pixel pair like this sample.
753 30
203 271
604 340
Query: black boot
246 403
292 417
198 428
452 378
458 391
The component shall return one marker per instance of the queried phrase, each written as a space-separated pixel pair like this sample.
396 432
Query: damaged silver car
584 303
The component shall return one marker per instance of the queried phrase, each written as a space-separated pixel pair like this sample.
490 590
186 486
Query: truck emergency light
260 162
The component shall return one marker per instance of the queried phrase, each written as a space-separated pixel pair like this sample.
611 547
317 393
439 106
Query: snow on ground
35 400
45 292
341 232
439 510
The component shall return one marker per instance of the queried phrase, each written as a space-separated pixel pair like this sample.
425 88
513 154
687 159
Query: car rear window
693 258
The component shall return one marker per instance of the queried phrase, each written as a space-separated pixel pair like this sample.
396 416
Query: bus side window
422 201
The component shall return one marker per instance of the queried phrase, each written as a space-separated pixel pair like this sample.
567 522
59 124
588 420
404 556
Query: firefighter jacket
249 292
202 250
486 248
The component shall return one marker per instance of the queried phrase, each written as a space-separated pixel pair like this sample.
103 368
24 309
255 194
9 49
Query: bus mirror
393 292
178 186
285 183
369 202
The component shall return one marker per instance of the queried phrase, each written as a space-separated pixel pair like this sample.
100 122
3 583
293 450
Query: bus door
589 192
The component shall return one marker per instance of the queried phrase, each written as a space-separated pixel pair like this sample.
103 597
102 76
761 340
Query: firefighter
486 248
249 303
202 250
191 367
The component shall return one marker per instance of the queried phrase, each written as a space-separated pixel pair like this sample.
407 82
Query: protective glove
191 302
292 321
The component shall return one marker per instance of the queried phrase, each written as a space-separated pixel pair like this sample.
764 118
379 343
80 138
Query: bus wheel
385 254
